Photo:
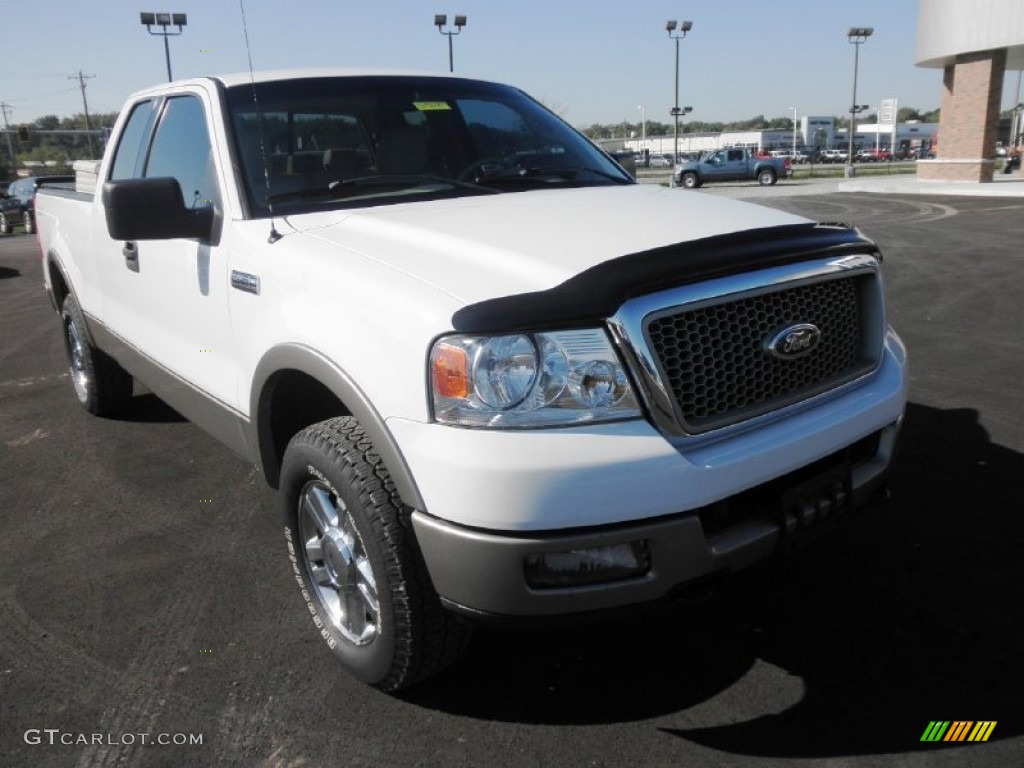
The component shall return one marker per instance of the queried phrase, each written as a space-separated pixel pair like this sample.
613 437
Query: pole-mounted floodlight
857 36
440 19
793 151
683 27
164 20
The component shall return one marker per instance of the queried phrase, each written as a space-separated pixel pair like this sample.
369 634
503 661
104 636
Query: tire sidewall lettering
318 622
322 478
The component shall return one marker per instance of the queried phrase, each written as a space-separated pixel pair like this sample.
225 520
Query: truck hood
479 248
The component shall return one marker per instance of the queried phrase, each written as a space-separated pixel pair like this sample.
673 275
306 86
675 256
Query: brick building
974 42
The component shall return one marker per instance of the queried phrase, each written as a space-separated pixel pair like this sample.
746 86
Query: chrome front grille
706 359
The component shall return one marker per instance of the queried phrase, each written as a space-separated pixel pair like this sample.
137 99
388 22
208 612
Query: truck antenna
274 234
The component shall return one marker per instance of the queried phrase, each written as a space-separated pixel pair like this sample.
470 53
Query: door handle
131 255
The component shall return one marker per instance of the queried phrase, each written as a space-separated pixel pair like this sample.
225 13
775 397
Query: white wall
946 28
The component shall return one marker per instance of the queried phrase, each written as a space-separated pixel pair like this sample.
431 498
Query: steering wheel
477 168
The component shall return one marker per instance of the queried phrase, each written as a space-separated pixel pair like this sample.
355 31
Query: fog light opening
585 567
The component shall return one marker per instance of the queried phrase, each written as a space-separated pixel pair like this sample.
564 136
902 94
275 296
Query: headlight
529 380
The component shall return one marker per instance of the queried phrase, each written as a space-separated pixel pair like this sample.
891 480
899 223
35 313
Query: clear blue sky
592 60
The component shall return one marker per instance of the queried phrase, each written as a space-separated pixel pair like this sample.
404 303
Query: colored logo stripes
958 730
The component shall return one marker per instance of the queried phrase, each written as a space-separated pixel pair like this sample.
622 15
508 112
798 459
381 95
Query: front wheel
766 177
690 180
357 563
5 228
30 224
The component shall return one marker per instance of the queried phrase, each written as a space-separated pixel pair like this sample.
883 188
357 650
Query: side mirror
154 209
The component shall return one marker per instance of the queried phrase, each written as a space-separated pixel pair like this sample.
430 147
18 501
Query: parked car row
834 155
18 202
665 161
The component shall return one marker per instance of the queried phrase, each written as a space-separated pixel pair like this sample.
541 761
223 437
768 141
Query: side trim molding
205 411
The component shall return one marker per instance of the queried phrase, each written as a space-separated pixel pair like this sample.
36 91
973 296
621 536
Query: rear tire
5 228
355 557
766 177
103 387
30 224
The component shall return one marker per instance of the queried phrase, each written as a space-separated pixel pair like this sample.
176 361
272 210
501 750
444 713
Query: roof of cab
245 78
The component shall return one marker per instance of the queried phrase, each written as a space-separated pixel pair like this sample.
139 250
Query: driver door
167 298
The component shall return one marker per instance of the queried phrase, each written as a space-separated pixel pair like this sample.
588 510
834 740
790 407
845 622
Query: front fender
298 357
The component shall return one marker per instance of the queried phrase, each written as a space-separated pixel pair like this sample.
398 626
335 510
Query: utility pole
81 82
7 129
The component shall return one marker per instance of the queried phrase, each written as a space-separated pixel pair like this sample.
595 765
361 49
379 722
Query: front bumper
481 573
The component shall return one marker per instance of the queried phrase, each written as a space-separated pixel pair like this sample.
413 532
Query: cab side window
182 150
128 157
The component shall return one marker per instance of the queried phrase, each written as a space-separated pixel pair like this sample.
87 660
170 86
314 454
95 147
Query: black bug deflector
596 293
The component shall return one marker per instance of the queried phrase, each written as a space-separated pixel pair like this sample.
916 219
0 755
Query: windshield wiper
571 171
566 172
343 187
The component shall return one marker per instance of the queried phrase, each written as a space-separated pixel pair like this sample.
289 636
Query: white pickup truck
422 306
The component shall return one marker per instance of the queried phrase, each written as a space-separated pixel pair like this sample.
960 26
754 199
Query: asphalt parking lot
144 587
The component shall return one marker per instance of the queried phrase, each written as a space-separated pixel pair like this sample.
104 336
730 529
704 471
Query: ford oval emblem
794 341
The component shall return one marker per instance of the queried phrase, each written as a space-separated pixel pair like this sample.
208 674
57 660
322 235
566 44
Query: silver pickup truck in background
732 164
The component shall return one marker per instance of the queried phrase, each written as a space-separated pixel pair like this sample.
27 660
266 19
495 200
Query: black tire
766 177
690 180
103 387
355 557
30 224
5 228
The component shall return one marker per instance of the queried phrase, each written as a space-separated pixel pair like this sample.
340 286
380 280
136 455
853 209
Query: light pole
1016 131
643 132
1017 125
164 20
793 156
683 27
440 20
857 36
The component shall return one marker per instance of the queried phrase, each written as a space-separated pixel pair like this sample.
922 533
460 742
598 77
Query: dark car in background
11 213
19 205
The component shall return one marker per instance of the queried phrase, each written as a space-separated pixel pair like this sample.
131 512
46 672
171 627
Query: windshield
358 141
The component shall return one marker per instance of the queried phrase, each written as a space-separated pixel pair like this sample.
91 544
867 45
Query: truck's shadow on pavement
911 613
147 408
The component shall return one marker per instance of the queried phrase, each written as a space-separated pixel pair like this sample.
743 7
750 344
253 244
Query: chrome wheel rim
79 373
338 565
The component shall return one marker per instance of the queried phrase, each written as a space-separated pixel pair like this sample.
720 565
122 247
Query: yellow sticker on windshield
432 106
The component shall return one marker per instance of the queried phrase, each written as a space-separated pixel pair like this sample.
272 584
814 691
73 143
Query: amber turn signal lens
450 370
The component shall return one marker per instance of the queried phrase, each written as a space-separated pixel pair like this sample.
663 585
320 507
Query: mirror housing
154 209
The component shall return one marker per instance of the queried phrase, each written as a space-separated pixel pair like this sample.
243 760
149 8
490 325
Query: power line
81 82
10 147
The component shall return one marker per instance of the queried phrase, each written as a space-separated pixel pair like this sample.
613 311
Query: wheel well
290 401
58 284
